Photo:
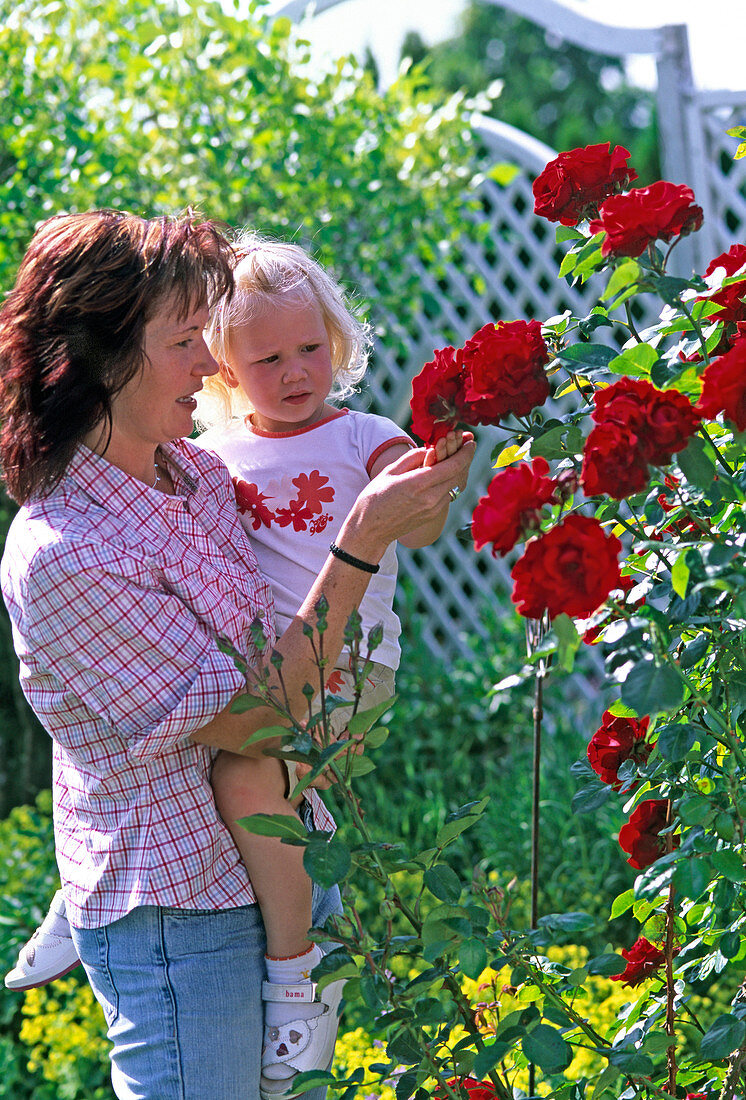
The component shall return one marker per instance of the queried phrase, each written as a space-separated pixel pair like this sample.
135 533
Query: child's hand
446 447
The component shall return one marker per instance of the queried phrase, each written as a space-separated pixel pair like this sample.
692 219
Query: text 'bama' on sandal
302 1044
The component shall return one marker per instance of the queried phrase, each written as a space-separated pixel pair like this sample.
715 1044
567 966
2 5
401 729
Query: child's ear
228 376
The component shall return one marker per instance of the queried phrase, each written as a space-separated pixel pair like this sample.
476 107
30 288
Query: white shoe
49 953
301 1045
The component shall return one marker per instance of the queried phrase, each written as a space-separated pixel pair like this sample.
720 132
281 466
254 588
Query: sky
716 33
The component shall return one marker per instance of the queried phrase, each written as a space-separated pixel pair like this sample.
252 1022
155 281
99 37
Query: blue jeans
181 994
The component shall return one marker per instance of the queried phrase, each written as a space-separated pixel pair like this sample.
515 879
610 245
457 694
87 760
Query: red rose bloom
637 424
505 374
671 422
475 1090
730 297
643 959
724 386
696 1096
438 403
514 499
573 184
613 462
617 739
640 836
632 221
570 569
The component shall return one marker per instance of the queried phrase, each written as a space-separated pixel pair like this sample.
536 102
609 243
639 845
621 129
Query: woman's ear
228 376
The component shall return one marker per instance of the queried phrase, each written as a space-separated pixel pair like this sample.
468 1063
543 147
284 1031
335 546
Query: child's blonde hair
265 270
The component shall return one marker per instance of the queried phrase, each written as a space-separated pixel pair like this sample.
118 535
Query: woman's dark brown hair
71 329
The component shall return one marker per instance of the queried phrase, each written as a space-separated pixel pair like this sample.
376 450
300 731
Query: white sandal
47 955
300 1045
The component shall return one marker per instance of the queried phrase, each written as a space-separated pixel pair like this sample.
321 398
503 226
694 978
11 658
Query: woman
125 565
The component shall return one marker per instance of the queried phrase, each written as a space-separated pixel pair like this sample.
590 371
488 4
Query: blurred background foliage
559 93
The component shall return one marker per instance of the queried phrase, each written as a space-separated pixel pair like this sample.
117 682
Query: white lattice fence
505 272
719 181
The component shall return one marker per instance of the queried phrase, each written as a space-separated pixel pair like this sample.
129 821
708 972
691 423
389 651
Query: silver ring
454 492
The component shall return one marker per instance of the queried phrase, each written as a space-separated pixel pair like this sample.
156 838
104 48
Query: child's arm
444 448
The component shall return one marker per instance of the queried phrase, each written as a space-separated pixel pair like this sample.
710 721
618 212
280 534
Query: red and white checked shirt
117 594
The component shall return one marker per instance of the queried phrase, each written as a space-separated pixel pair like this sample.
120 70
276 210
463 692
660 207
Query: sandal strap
300 993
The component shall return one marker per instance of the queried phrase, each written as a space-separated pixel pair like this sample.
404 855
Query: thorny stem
718 453
633 531
736 1060
669 952
698 329
631 323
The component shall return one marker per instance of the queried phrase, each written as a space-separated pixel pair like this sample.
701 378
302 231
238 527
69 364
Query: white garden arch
515 273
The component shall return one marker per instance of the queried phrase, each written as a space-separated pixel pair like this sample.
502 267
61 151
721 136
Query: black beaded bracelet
366 566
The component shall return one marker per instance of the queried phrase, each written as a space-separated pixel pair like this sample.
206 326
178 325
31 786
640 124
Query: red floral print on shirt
314 490
250 499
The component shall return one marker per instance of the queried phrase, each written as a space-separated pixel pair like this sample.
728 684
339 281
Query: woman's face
158 403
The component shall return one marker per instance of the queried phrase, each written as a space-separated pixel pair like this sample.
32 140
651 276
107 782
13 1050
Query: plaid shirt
117 594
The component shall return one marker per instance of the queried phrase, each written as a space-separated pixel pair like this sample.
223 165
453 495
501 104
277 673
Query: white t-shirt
294 490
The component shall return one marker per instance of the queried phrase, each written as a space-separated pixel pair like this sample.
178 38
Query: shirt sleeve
129 650
376 434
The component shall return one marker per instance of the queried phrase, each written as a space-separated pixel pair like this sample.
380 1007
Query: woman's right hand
406 495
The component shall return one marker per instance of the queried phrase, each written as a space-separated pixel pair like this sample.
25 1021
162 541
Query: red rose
632 221
574 183
475 1090
637 424
514 499
643 959
724 386
570 569
438 403
696 1096
617 739
505 373
613 462
671 422
640 836
730 297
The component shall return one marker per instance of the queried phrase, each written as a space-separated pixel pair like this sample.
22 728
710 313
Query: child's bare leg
250 785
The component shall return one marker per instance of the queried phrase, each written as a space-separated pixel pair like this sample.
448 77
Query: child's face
282 362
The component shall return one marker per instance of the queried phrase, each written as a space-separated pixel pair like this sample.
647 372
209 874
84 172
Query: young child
287 344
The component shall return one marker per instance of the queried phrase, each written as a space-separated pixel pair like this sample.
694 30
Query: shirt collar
114 489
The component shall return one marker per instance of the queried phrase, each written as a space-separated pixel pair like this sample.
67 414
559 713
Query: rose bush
622 504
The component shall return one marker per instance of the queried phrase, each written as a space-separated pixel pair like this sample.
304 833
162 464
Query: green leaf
696 464
364 719
312 1079
280 825
590 798
459 822
676 740
566 922
680 575
568 233
730 944
722 1038
607 965
265 733
622 903
623 276
568 641
488 1058
245 702
729 864
583 358
651 688
472 957
327 862
545 1047
442 881
637 361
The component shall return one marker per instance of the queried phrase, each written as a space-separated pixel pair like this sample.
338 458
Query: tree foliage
560 93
